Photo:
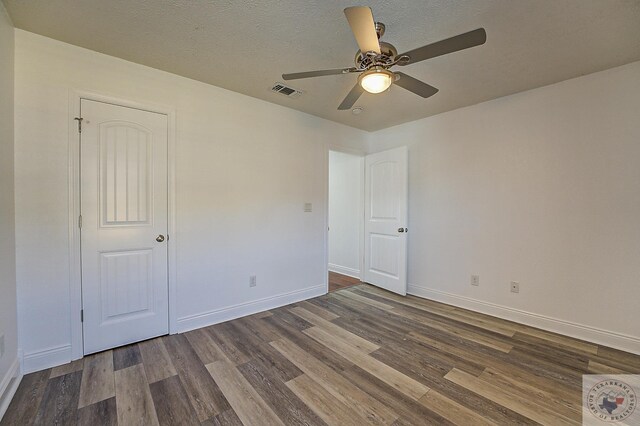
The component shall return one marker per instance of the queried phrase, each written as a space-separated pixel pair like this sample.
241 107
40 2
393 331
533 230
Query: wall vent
286 90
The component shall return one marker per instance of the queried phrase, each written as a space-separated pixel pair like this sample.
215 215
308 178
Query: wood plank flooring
339 281
355 356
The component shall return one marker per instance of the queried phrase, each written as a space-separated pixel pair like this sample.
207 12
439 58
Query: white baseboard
9 385
46 358
355 273
58 355
592 334
205 319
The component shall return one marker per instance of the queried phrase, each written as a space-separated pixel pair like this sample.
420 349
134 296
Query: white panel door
124 225
386 194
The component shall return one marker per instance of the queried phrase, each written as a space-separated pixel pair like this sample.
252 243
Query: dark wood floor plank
126 356
101 413
172 403
282 401
294 320
60 401
24 405
204 394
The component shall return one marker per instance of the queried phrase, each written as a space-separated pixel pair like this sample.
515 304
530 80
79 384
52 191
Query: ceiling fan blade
320 73
364 29
449 45
416 86
351 98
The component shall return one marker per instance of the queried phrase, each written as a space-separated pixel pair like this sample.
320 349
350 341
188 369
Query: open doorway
346 219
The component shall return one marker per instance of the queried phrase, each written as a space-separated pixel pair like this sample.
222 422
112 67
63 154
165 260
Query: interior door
386 196
124 225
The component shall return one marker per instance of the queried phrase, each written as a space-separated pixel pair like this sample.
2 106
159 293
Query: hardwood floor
339 281
358 355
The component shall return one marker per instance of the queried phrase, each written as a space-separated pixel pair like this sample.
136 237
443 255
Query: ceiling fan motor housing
388 52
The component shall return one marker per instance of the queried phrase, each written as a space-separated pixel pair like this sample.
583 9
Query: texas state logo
611 399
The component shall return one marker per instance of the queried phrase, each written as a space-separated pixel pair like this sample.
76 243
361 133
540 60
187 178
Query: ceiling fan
375 58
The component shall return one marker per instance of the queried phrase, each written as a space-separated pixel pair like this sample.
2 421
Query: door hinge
80 221
81 315
79 120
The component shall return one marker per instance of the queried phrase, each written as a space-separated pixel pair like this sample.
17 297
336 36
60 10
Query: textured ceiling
245 46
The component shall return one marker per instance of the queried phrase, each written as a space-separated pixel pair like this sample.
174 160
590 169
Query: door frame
75 269
362 155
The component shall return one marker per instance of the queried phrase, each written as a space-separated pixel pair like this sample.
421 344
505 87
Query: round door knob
400 229
160 238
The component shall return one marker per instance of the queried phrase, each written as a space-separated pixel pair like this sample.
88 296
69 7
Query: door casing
75 271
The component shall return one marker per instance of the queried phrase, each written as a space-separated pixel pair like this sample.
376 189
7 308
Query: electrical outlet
308 207
1 346
252 281
515 287
475 280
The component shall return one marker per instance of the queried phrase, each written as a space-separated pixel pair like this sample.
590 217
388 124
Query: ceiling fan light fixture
376 80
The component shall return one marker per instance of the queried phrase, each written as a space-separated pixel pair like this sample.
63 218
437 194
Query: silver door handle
160 238
403 230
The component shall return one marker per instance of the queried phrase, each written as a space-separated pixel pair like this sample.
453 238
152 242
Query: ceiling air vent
286 90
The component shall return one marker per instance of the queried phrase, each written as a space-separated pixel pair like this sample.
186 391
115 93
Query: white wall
345 213
541 187
244 169
8 327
